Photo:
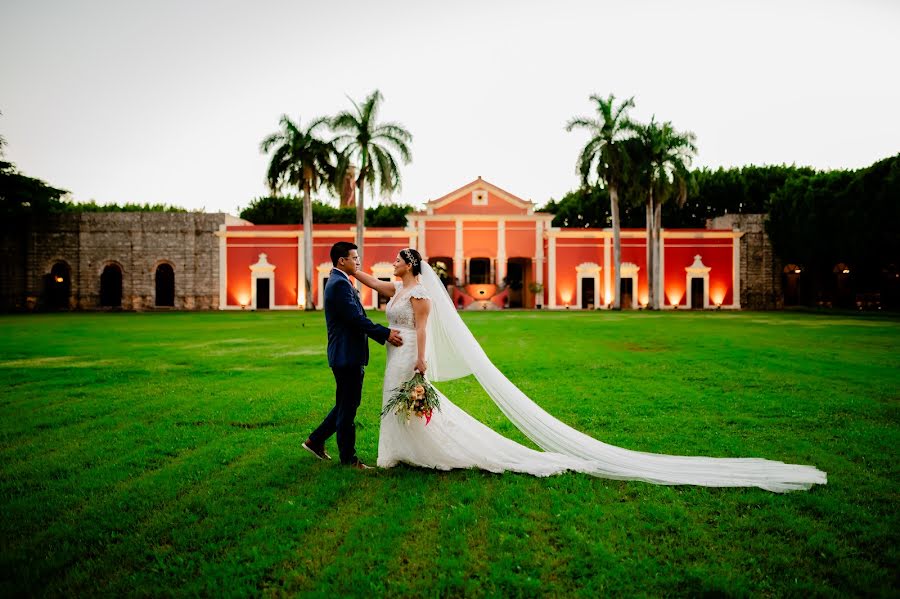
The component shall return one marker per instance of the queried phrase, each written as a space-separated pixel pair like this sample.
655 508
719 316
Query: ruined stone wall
137 242
760 269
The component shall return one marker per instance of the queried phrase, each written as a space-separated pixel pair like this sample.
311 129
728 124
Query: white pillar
551 271
458 253
501 251
539 251
420 241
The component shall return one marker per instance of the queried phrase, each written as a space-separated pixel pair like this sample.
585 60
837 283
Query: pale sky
167 101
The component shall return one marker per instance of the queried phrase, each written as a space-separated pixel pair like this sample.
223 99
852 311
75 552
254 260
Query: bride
436 341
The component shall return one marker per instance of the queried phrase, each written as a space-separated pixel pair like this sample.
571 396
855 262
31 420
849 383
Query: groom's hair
341 250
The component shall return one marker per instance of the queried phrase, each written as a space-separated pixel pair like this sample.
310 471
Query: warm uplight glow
644 300
244 300
846 271
717 297
59 279
675 296
609 299
566 296
797 271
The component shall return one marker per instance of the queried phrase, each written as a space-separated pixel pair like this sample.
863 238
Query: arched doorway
790 285
111 286
59 286
165 285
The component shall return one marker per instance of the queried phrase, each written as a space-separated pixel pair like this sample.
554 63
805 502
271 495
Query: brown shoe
357 465
319 452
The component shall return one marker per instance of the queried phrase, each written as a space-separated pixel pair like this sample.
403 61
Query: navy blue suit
348 354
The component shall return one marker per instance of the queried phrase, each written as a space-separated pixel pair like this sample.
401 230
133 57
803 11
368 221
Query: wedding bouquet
415 397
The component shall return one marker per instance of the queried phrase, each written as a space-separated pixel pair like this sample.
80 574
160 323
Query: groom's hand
394 338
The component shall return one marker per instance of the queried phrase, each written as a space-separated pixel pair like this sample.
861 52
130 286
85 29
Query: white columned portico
501 251
551 270
458 254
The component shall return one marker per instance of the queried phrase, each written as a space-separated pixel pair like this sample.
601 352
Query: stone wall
136 242
760 269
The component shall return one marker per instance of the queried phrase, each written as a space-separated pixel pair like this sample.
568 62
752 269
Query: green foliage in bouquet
415 397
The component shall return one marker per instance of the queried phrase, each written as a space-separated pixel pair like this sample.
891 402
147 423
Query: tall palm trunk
651 253
307 246
360 206
617 246
657 260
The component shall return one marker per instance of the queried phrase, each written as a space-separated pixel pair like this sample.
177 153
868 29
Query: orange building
494 250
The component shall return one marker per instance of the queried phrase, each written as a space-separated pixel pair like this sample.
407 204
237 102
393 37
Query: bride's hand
421 366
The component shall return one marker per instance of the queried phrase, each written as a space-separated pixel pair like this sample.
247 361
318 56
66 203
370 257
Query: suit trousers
349 382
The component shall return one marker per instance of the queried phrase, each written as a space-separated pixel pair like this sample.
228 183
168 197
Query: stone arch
58 285
164 284
111 279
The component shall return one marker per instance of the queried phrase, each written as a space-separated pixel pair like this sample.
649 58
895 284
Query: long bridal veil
452 352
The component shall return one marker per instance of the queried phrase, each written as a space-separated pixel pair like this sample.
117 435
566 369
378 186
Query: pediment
479 196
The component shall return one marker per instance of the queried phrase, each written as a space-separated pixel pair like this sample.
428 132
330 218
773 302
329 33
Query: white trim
588 270
475 185
537 217
551 271
263 269
223 269
697 270
501 251
323 268
458 253
420 239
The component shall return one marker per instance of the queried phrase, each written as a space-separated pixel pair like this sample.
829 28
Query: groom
348 354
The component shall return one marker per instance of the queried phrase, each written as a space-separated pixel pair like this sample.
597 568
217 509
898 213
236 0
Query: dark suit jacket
348 327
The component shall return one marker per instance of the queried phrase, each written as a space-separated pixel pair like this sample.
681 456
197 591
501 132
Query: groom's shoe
357 465
319 452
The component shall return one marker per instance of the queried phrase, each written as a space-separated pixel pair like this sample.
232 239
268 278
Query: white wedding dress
454 439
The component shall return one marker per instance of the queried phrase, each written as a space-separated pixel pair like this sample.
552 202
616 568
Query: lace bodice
399 309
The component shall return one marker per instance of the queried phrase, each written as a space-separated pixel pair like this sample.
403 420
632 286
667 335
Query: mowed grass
159 454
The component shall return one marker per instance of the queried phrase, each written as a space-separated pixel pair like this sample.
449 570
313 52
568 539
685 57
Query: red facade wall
520 240
495 205
479 239
718 254
243 252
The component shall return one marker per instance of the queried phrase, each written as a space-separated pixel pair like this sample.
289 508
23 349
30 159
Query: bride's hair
414 259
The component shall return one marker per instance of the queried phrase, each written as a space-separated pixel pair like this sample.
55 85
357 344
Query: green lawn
158 454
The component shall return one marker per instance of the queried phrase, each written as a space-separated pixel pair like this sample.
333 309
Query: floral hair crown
409 256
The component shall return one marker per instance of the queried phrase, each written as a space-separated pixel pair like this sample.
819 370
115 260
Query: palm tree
660 171
604 156
371 145
304 160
